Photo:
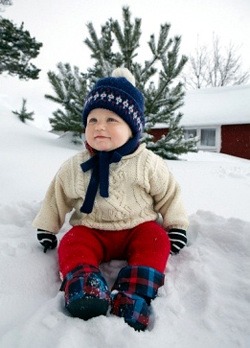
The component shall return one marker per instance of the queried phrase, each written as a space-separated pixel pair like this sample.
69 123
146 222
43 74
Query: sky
61 26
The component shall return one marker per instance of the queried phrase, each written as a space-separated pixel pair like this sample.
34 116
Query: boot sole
88 307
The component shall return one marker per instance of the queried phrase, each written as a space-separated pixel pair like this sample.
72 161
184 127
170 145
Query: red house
220 117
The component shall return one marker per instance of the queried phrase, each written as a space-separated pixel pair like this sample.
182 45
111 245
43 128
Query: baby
117 189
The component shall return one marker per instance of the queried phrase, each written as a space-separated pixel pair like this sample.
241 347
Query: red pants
144 245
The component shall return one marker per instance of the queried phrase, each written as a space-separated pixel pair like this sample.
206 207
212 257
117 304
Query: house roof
217 106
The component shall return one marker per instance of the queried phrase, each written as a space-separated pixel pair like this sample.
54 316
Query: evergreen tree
157 77
162 98
5 3
70 87
23 114
17 48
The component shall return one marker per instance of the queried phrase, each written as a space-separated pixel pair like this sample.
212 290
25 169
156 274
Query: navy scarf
99 164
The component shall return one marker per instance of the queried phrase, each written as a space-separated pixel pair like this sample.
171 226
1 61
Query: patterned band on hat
117 101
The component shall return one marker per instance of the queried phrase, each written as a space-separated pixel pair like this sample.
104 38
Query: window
190 133
207 137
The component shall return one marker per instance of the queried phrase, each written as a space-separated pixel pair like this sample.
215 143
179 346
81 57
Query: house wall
230 139
235 140
158 132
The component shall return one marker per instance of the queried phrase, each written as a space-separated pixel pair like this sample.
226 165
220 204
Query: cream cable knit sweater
140 187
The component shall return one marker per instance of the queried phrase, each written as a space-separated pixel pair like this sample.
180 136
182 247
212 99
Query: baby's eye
92 120
111 119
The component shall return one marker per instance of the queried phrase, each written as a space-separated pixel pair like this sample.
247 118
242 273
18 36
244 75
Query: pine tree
157 78
70 87
162 99
23 114
5 3
17 48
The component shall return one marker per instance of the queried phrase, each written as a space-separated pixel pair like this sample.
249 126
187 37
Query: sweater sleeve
56 204
166 193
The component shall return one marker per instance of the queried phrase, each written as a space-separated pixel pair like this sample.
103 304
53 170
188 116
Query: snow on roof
217 106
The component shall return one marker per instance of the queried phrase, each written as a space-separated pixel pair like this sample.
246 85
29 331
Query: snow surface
205 301
217 106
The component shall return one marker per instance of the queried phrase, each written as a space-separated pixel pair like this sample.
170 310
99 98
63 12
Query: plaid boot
86 292
132 293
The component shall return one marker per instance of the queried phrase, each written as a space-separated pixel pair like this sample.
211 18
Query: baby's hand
178 239
47 239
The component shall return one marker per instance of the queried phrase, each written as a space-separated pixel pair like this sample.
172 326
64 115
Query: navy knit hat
118 94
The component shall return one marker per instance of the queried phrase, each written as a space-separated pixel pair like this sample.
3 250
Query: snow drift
205 300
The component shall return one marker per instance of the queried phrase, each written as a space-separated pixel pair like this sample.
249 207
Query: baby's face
106 131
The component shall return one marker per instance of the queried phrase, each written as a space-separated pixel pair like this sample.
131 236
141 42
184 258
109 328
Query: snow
217 106
205 300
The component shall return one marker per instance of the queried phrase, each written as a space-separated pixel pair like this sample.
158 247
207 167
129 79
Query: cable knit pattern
140 187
